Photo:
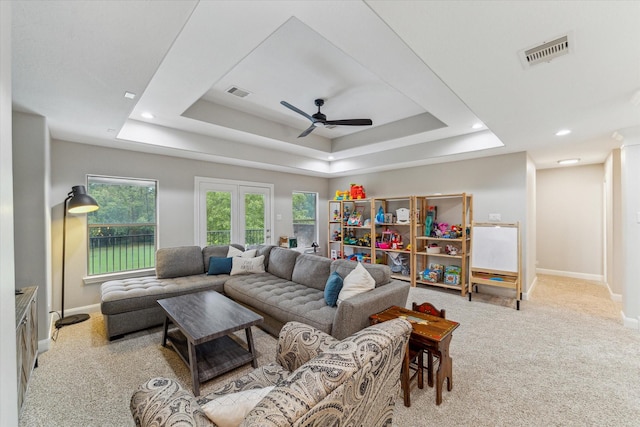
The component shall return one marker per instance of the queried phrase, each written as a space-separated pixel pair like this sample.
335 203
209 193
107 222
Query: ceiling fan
320 119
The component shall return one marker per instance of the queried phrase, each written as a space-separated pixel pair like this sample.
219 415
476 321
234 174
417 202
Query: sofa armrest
163 402
353 313
298 343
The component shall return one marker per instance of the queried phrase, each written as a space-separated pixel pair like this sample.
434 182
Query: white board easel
495 256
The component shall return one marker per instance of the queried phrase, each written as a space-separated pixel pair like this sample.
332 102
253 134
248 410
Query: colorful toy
342 195
357 192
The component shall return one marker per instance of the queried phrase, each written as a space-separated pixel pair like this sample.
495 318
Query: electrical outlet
495 217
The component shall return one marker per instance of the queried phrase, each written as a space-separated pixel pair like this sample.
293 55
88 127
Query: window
122 233
305 218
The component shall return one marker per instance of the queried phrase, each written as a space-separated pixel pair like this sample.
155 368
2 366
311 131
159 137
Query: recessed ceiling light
563 132
331 158
147 115
477 126
129 95
568 161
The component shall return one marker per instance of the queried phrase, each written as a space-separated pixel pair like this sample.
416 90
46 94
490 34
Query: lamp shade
80 201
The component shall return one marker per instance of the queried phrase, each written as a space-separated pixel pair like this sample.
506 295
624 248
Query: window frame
315 220
135 272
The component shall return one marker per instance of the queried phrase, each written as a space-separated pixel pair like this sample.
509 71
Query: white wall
614 237
531 231
498 184
31 182
8 378
631 229
570 221
71 163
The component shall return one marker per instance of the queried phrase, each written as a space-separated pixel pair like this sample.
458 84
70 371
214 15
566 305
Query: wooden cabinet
26 338
442 259
393 234
350 229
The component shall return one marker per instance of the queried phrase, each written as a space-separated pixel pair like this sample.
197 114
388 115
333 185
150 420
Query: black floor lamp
77 201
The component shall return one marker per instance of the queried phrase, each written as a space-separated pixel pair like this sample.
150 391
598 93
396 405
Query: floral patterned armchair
317 380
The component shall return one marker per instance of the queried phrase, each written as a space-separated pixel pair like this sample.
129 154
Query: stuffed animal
357 192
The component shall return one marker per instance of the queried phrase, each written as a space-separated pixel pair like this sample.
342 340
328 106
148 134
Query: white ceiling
424 72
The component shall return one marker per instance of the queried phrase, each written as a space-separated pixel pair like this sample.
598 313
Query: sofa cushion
179 261
357 282
332 289
219 265
263 250
380 273
282 261
282 299
241 265
311 270
219 251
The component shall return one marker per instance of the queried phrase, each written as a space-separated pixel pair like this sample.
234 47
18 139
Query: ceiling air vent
546 51
241 93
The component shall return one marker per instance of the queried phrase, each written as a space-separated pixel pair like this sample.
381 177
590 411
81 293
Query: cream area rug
564 359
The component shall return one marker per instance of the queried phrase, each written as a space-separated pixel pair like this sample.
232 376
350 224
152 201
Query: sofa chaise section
130 305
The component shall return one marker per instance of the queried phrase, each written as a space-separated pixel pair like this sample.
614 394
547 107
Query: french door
232 212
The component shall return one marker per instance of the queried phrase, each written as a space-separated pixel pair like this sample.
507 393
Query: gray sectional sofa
290 289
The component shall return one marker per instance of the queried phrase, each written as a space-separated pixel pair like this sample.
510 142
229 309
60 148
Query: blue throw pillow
332 289
219 265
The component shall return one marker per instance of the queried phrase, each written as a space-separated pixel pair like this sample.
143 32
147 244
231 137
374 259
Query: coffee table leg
193 365
166 329
252 350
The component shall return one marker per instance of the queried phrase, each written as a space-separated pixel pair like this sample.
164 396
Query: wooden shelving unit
384 230
454 209
351 238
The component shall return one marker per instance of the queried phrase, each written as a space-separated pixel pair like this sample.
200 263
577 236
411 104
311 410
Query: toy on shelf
336 236
355 219
380 216
336 215
342 195
429 220
357 192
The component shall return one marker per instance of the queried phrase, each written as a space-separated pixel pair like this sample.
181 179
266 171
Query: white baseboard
584 276
613 296
630 322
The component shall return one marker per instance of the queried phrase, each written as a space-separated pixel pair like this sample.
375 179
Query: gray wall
72 162
31 182
570 213
498 184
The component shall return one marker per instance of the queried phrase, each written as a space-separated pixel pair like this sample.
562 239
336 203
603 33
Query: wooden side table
428 332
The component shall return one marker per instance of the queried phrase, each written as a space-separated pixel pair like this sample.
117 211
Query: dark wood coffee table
203 335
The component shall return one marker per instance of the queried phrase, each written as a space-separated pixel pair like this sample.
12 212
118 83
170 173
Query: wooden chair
417 353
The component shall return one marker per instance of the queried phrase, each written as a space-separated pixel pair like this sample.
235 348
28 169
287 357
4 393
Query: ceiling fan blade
297 110
307 131
350 122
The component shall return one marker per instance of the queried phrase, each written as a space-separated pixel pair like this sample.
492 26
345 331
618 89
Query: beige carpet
564 359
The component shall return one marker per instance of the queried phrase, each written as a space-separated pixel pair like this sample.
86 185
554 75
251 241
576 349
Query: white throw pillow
356 282
237 252
229 410
242 265
234 252
249 254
